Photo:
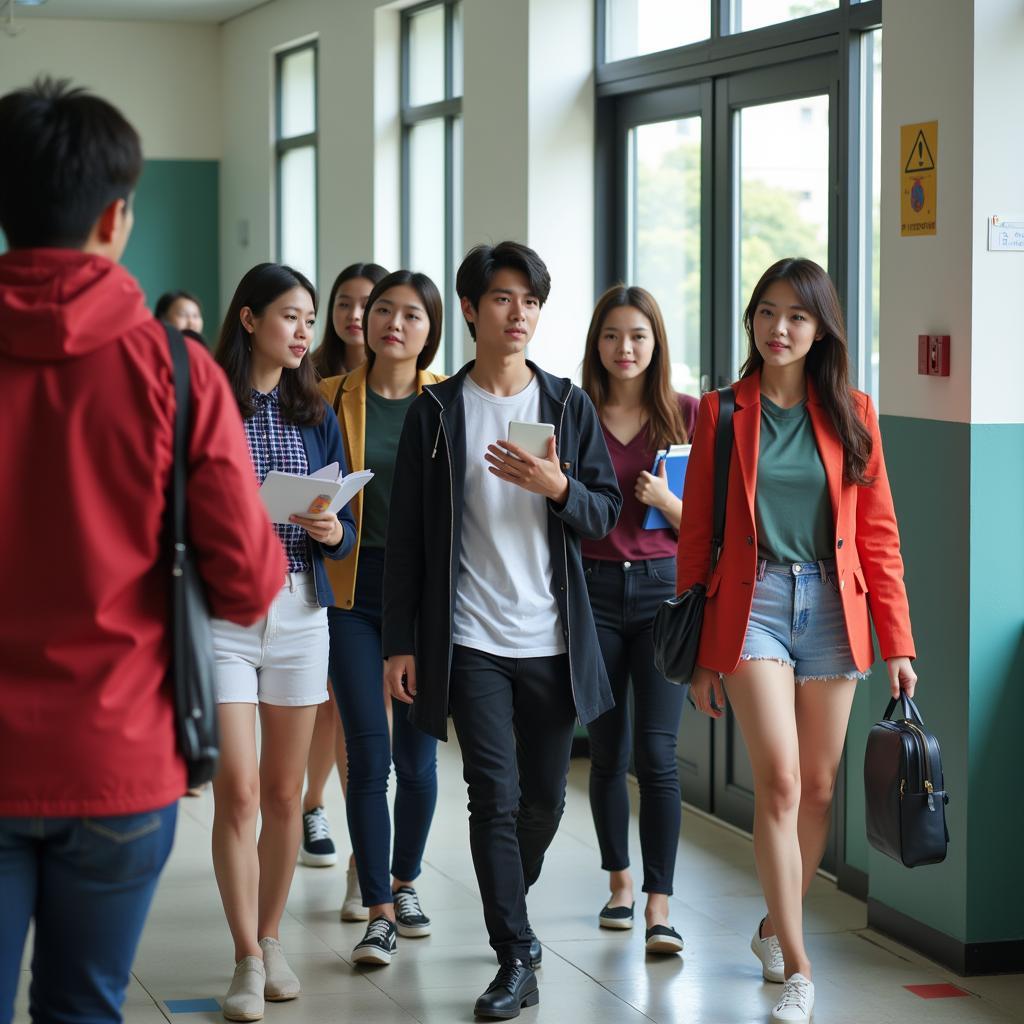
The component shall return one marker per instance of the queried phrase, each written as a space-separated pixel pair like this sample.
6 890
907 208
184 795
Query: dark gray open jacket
421 565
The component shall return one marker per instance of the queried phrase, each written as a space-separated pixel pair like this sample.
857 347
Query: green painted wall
995 837
176 239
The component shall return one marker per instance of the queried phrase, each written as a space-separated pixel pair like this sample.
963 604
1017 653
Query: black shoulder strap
179 471
723 454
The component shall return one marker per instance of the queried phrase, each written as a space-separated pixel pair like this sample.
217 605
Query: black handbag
677 625
192 664
905 796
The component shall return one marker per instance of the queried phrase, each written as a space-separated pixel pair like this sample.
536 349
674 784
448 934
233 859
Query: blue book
675 459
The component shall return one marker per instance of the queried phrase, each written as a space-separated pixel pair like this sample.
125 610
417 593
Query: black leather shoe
514 987
536 949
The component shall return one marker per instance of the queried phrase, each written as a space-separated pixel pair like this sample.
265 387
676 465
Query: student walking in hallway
402 324
279 665
811 547
626 373
485 605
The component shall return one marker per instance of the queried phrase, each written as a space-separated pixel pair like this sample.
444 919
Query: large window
432 155
296 151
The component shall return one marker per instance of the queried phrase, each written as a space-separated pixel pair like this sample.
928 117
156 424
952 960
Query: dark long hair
301 403
665 424
168 299
329 357
431 299
828 362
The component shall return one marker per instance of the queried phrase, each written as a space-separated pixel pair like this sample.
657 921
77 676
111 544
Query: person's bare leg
822 717
286 732
762 697
322 757
236 804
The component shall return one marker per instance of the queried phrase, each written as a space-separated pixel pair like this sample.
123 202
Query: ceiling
212 11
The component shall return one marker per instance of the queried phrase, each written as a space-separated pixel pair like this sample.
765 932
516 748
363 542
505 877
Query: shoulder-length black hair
828 362
665 424
168 299
431 299
329 358
301 403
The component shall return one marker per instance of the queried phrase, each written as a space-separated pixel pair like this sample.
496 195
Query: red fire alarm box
933 355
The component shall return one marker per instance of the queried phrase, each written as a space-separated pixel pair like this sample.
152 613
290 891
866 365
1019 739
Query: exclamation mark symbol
920 151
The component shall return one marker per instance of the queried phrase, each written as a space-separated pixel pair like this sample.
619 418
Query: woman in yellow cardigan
402 324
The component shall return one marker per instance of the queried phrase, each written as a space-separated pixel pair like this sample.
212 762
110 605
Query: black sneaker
410 920
379 945
317 850
619 918
663 939
514 988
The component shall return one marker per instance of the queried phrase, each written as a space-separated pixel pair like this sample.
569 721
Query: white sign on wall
1005 234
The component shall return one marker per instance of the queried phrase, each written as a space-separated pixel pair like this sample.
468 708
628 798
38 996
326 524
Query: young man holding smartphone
486 615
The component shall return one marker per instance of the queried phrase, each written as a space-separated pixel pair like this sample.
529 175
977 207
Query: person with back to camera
485 606
403 328
626 373
340 350
90 772
278 665
811 548
181 310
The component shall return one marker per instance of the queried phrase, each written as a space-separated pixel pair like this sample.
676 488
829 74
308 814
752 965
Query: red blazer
867 541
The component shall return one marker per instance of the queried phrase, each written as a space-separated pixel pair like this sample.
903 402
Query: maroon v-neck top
629 541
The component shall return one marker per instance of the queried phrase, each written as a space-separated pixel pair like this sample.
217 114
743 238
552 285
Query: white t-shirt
503 601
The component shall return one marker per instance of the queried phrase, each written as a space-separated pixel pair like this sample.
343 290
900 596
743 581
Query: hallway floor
590 976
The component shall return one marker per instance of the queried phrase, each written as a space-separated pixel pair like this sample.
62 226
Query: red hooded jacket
87 413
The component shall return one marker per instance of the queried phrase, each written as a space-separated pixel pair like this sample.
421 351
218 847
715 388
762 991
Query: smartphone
531 437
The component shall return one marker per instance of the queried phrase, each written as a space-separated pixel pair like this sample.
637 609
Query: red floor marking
936 991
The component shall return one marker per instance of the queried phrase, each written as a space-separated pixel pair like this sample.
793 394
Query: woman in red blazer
811 546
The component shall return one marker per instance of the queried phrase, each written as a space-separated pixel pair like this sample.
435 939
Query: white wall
164 77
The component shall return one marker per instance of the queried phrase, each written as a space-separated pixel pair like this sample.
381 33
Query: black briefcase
904 793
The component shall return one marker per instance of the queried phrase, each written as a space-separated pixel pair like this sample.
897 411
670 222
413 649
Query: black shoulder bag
192 664
676 630
904 793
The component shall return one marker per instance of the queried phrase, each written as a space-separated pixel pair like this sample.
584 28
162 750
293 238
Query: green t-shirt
794 512
384 419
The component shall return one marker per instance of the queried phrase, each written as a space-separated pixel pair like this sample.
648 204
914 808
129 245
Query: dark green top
384 419
794 513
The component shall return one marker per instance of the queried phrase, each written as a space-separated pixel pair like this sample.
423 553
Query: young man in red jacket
89 770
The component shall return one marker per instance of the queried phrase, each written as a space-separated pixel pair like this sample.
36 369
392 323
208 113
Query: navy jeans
87 883
625 597
357 676
514 718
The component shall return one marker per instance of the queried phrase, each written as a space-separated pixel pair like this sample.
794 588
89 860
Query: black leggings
625 597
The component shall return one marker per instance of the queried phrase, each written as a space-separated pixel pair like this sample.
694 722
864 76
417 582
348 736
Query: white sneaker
244 1000
282 984
769 952
352 908
797 1001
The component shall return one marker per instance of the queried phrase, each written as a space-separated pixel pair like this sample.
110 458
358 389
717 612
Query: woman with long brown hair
626 373
811 545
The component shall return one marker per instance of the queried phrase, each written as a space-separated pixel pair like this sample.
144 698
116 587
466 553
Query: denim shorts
797 619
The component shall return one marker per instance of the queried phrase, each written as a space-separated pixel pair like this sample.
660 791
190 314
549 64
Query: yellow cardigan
346 395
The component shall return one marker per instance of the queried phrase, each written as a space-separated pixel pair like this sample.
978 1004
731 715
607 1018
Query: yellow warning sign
919 154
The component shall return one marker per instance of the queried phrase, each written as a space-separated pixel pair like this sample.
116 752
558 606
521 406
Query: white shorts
282 659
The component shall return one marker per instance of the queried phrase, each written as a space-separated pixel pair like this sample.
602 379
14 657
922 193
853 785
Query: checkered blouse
275 444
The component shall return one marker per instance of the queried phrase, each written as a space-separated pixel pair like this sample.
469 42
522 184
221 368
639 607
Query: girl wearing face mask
402 322
277 666
340 351
811 547
626 372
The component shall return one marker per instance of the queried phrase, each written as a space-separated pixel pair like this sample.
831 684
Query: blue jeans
625 596
356 668
88 883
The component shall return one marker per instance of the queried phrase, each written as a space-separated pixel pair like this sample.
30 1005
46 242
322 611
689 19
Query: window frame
450 109
830 35
282 146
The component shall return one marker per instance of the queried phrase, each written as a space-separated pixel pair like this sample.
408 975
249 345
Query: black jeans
625 597
514 718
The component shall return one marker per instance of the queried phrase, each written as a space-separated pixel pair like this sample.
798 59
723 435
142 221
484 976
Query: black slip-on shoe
513 989
620 918
663 939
